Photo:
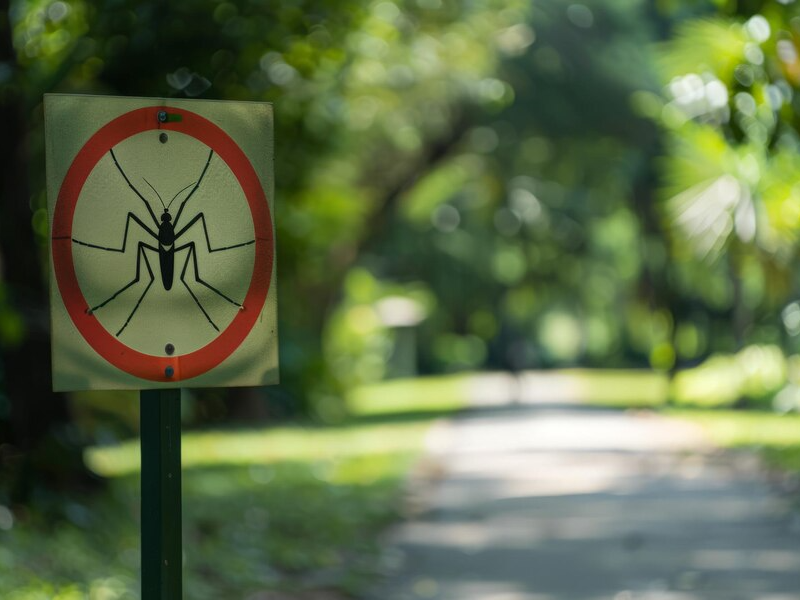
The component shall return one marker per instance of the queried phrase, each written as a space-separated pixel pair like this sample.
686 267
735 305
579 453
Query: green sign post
162 554
162 253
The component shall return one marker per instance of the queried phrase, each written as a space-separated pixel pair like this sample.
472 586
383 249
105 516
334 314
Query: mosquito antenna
179 193
130 185
157 194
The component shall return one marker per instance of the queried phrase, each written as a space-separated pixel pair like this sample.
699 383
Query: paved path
558 501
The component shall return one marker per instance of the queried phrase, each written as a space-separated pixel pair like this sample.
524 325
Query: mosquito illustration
166 235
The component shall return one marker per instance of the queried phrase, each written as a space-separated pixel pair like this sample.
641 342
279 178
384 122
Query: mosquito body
166 238
166 235
166 249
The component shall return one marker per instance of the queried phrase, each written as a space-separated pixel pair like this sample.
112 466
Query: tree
366 99
731 160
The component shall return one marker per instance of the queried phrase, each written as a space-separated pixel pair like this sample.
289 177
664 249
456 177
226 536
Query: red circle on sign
147 366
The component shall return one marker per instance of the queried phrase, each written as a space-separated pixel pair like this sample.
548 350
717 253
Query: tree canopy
552 184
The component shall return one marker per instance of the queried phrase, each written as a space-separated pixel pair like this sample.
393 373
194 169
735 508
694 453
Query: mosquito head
166 216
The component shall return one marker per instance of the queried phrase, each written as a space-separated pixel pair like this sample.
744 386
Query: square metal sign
162 243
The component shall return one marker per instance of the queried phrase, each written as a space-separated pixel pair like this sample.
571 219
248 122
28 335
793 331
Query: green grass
430 395
293 443
283 508
775 436
299 507
618 388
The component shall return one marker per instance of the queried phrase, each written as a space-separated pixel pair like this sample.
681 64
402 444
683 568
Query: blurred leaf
715 45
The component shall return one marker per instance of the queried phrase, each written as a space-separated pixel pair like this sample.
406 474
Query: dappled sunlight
537 277
601 386
493 389
594 433
761 559
268 446
560 499
263 509
709 212
495 591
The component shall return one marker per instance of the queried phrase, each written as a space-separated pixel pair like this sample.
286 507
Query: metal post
161 494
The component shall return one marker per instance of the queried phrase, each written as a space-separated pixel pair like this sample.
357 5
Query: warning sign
162 243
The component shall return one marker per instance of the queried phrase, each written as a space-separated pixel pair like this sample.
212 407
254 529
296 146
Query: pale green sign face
162 243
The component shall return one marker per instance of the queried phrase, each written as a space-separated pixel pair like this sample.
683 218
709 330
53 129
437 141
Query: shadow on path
551 500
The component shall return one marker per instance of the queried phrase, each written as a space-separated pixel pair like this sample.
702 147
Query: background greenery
293 508
549 184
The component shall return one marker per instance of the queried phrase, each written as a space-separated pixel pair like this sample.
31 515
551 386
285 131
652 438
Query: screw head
162 116
169 349
169 371
163 138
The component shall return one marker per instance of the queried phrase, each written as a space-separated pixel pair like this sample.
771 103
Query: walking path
553 500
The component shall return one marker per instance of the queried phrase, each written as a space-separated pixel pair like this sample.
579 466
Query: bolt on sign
161 242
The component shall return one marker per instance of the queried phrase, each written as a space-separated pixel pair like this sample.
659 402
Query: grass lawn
298 508
618 388
775 436
292 508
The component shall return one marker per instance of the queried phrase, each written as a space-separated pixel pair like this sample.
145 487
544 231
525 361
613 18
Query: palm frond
704 45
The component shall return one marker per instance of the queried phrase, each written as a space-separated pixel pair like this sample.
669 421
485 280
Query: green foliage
488 149
618 388
12 327
360 334
754 374
361 91
247 530
714 45
289 508
492 162
428 395
730 164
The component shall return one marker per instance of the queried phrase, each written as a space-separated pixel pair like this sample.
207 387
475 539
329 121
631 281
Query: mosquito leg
201 218
128 219
183 280
139 255
144 293
194 189
135 191
197 278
